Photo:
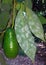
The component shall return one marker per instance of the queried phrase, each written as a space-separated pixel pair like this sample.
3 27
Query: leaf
42 19
24 36
28 3
4 16
35 24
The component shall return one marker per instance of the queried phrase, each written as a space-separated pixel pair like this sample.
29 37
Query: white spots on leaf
26 46
22 29
36 31
31 40
38 27
19 38
29 32
32 45
26 27
23 36
27 35
31 22
21 23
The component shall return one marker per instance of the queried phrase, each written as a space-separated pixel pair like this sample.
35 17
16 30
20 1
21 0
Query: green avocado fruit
10 44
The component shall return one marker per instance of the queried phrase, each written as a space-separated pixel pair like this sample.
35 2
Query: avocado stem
13 18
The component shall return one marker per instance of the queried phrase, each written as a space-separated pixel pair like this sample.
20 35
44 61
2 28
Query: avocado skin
10 44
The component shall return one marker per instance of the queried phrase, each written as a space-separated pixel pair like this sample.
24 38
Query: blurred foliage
5 12
6 6
1 41
2 60
7 2
42 19
4 15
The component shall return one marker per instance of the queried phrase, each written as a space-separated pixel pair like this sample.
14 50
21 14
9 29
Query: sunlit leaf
24 36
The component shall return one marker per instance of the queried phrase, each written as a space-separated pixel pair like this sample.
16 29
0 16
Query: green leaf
35 24
24 36
42 19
